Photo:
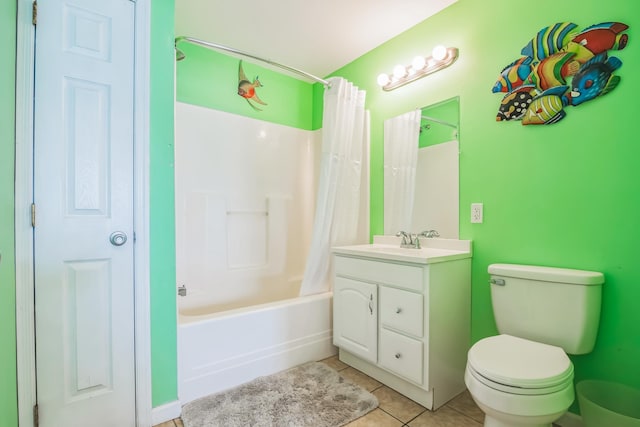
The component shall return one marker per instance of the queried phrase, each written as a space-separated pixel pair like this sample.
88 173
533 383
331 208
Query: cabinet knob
398 356
398 310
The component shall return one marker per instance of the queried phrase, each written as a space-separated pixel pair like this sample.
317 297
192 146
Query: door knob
118 238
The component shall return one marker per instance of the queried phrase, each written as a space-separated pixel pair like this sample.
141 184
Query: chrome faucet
408 240
182 291
429 234
412 241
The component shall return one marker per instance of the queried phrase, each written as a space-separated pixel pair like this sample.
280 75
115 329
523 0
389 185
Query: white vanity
402 316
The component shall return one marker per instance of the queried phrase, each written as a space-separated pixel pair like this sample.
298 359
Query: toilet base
493 418
493 422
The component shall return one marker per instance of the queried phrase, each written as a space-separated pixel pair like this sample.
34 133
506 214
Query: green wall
8 397
561 195
210 79
164 326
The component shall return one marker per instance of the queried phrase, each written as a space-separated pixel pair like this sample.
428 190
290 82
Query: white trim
25 338
141 213
166 412
24 233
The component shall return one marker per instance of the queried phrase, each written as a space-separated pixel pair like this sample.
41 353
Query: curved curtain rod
442 122
248 55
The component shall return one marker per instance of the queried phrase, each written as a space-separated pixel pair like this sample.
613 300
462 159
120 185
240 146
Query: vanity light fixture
441 57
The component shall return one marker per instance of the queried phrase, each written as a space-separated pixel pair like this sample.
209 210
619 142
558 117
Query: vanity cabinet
405 324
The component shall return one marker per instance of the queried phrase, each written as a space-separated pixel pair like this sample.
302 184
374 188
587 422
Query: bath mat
309 395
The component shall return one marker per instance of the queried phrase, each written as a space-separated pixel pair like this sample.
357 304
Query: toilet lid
518 362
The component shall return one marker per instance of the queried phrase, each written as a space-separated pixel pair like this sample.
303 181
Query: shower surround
245 197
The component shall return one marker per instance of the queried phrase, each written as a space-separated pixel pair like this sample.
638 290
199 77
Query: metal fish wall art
560 67
247 89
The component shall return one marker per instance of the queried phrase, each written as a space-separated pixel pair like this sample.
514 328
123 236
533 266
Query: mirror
421 170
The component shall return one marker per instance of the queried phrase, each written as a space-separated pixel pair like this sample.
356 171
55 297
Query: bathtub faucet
182 291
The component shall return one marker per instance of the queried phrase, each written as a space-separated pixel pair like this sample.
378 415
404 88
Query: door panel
83 191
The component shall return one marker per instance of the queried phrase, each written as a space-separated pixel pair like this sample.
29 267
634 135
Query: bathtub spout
182 291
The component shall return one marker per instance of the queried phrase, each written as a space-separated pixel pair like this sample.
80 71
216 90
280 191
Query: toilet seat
519 366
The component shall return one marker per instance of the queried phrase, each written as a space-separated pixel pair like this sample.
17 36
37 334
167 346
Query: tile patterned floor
395 410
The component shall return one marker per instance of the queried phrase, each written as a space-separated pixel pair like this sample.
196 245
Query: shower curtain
401 136
344 138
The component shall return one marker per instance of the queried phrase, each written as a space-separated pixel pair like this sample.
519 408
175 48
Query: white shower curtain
344 138
401 136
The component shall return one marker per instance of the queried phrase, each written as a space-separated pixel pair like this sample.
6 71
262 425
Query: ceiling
318 37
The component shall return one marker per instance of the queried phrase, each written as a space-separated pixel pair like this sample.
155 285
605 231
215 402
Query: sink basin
433 251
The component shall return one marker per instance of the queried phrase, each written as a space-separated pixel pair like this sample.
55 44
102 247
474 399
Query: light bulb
383 79
439 52
418 63
399 71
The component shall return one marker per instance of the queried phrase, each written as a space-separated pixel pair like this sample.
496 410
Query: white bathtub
221 350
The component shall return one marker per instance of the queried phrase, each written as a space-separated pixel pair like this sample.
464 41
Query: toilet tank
556 306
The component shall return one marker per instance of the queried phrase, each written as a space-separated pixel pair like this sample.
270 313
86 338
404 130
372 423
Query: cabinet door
355 317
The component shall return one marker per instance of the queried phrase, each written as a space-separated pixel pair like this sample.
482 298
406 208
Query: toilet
523 377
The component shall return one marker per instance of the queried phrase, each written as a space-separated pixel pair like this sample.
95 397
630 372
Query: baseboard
166 412
570 420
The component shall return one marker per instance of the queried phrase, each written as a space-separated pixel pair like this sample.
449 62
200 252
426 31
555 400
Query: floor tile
376 418
363 380
396 410
464 404
395 404
443 417
335 363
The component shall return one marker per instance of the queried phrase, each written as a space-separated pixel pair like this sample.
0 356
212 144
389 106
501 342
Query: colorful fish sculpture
515 103
247 89
598 39
602 37
547 107
595 78
553 71
549 40
513 75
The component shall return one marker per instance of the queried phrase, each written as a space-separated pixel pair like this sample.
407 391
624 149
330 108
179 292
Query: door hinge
33 215
36 420
34 13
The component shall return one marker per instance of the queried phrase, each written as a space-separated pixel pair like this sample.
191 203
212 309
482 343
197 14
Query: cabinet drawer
405 276
401 355
401 310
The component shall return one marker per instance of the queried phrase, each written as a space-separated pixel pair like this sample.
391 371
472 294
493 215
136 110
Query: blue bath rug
309 395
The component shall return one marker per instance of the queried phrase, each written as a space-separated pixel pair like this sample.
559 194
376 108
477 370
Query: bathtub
220 350
244 191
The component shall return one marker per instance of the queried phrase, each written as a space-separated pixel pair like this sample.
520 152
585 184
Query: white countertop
433 250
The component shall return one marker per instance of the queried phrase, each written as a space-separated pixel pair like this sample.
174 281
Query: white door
355 317
83 192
